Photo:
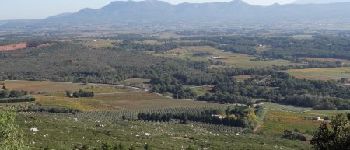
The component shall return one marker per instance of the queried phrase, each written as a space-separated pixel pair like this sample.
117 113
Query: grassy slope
64 131
279 118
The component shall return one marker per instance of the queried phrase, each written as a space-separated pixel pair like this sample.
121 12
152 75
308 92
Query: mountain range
319 1
237 12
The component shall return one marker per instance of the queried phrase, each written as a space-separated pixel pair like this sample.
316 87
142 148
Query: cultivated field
321 73
12 47
63 131
343 61
98 43
101 120
107 97
204 53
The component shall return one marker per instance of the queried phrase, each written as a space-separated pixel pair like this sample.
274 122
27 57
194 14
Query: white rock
34 129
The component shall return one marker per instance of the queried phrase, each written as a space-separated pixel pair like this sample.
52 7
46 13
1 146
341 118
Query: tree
106 146
81 147
119 146
4 94
293 135
335 136
69 94
132 147
11 138
190 148
147 147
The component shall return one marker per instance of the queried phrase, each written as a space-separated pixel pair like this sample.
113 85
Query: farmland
12 47
101 120
87 131
321 73
98 43
70 132
169 91
206 53
107 97
343 61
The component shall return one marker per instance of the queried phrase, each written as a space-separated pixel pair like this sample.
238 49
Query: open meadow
206 53
334 60
321 73
65 132
280 117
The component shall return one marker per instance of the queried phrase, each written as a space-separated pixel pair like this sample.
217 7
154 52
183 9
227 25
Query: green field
65 131
343 61
279 118
98 43
321 73
230 59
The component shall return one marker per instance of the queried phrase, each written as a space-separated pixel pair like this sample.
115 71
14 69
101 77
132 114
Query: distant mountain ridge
319 1
153 12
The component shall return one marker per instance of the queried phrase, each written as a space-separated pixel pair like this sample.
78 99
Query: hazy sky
34 9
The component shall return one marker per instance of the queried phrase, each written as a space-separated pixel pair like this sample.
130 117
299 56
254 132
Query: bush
17 99
11 94
336 135
51 109
80 93
11 138
293 135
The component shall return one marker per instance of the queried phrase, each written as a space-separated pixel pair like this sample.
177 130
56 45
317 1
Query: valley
155 75
177 86
102 119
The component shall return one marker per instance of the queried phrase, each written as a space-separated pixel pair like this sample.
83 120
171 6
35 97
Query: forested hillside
134 57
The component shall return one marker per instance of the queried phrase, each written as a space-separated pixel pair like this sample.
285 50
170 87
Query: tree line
239 116
13 96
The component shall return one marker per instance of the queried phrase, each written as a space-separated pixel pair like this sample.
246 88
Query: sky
38 9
